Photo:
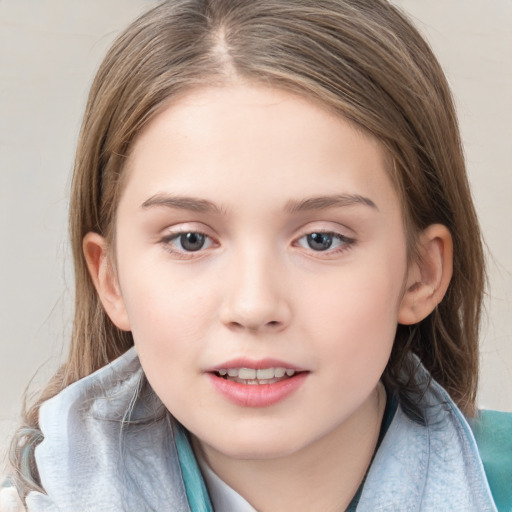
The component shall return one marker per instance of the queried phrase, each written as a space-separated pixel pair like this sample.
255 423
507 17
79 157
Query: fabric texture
197 494
110 445
493 433
9 500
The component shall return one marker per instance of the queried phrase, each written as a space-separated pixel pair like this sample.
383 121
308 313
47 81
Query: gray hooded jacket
109 445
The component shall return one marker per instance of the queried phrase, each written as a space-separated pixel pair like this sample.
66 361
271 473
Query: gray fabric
90 460
431 467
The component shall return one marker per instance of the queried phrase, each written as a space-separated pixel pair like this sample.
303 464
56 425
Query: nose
256 298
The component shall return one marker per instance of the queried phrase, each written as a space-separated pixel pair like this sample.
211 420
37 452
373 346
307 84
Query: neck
324 475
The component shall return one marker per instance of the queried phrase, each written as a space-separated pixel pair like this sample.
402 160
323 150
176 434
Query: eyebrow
311 203
324 202
182 203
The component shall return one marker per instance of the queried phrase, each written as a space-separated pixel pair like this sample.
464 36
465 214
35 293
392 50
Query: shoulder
10 501
493 434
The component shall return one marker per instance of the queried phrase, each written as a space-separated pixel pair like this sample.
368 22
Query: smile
256 383
251 376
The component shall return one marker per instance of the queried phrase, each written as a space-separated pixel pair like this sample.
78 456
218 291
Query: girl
279 276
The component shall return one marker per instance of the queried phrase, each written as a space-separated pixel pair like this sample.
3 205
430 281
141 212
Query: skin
257 289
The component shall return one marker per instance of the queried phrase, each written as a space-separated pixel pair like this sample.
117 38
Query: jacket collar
429 466
110 445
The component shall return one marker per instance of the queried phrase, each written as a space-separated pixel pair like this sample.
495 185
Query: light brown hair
359 58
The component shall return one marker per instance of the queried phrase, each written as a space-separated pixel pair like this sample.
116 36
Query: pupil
192 241
320 241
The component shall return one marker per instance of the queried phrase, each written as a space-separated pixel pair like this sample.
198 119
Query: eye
321 241
187 242
191 241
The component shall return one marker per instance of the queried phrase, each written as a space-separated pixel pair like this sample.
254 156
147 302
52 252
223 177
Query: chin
260 446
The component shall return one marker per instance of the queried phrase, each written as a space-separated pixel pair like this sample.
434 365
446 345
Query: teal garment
493 435
197 495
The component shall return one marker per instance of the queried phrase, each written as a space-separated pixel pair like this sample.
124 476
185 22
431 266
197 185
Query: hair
361 59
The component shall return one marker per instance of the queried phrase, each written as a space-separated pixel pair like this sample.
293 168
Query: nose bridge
255 297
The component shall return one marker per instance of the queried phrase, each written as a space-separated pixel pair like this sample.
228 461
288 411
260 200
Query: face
260 259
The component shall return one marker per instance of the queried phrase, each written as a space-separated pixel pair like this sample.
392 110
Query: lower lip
257 395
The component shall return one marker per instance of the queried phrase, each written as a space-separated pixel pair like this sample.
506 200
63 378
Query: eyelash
345 243
167 242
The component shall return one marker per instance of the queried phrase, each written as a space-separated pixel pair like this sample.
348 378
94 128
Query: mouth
257 383
256 377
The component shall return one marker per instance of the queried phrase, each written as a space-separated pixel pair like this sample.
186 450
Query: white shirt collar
223 497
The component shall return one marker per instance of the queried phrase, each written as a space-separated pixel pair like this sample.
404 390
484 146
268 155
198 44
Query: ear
429 277
105 280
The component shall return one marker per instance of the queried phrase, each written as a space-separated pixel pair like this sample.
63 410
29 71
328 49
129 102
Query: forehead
234 136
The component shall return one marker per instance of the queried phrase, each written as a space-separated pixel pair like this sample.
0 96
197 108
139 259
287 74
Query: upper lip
256 364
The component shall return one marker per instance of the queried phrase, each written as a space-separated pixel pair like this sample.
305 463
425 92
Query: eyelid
326 227
187 227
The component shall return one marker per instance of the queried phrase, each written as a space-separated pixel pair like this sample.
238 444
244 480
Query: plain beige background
49 50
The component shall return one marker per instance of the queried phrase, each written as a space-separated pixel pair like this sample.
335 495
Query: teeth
279 372
253 376
247 373
267 373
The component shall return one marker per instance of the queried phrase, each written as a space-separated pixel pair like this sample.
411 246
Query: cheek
359 323
167 317
168 329
356 320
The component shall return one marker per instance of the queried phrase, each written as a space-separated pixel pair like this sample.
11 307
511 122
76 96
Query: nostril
237 326
273 324
254 315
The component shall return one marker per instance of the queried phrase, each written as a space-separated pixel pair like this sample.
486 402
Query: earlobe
429 277
105 280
